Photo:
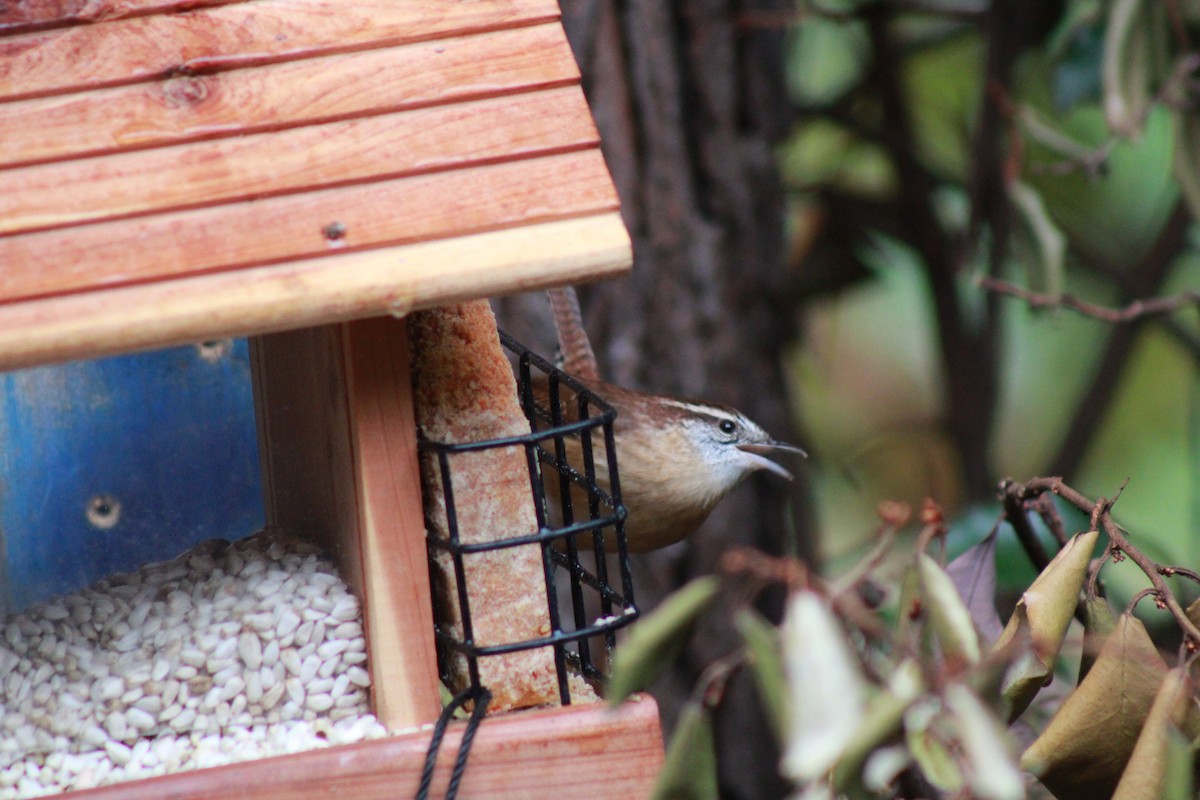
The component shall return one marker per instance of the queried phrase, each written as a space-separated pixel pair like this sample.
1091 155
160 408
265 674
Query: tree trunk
689 100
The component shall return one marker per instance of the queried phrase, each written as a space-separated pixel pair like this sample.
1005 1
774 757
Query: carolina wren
677 458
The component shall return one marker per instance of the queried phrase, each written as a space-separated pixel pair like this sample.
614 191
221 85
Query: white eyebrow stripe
706 411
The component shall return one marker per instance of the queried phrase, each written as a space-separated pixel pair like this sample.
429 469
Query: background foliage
1047 145
991 238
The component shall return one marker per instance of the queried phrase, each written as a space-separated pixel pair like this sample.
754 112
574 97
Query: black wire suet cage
580 526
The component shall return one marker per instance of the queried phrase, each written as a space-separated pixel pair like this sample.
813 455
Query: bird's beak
758 451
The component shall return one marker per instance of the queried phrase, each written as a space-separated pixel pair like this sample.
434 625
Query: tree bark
689 99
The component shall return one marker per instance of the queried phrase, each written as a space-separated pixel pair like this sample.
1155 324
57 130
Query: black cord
482 697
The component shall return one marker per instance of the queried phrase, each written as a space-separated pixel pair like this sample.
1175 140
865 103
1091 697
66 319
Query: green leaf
948 614
1087 743
1059 142
766 662
1079 15
1125 68
655 639
826 57
929 747
1040 621
690 769
828 694
1178 779
942 86
1050 244
820 153
911 609
1145 776
1187 157
993 772
882 721
1114 218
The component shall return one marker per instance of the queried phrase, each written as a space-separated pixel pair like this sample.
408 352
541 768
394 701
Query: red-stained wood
588 752
349 285
223 170
411 209
284 95
339 455
147 47
22 15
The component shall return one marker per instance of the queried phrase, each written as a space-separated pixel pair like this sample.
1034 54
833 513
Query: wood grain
339 455
334 288
228 236
423 140
391 523
148 47
579 751
283 95
17 17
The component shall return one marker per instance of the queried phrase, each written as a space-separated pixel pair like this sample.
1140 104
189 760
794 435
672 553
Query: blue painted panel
108 464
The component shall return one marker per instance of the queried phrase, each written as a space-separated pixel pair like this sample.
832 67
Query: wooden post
339 459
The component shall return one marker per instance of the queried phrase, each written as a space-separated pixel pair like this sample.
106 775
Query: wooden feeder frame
303 172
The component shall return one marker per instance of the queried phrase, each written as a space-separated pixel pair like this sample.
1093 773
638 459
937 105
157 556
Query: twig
885 536
967 348
1181 572
1132 312
1137 598
1093 163
1146 278
1183 337
1172 93
1100 511
1093 581
710 688
1178 25
1011 496
1045 508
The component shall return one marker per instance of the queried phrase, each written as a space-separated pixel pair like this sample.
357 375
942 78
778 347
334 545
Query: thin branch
1183 337
1182 572
1137 598
1178 25
1145 279
1014 511
710 687
1173 94
1045 508
967 351
1093 163
1132 312
1093 581
1119 541
885 537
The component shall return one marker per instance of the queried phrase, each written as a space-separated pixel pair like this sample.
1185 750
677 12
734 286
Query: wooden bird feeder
304 172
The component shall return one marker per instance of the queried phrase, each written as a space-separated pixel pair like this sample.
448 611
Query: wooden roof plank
222 170
16 17
348 286
147 47
283 95
273 230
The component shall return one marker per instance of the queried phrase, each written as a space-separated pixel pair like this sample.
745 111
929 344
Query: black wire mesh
580 525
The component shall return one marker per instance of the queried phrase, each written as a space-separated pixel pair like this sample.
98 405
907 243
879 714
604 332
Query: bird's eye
727 426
